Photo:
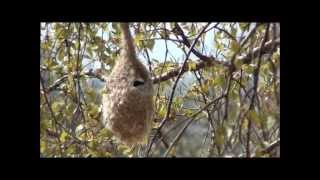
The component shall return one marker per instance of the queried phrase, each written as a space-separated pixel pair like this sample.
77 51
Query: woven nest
128 109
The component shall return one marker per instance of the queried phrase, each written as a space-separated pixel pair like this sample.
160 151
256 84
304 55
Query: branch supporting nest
200 65
206 62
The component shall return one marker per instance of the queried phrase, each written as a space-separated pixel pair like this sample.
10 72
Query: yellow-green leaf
150 44
162 111
254 117
205 88
220 135
219 81
106 133
243 26
61 55
248 68
79 129
192 66
43 146
238 63
234 46
63 136
56 106
122 148
137 39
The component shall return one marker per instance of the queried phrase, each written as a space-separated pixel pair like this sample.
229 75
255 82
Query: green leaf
71 149
245 123
276 57
49 63
79 129
89 50
188 112
243 26
70 78
128 151
56 106
218 35
138 40
219 81
63 136
44 46
163 110
248 68
150 44
107 154
219 46
192 66
270 121
234 46
43 146
105 133
238 63
177 102
233 31
91 94
77 45
205 88
44 124
61 55
93 110
254 117
220 135
193 30
121 148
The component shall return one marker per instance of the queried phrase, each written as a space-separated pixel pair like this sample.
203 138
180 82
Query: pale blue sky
159 49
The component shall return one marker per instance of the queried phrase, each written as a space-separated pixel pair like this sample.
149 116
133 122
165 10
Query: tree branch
266 49
226 32
271 147
200 65
186 42
189 122
209 61
175 85
255 86
89 73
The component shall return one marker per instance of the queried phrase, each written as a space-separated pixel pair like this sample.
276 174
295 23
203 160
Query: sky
159 49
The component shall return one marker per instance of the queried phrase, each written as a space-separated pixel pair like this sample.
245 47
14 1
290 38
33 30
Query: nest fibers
127 105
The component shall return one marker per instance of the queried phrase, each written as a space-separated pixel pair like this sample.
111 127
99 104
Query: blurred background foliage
226 104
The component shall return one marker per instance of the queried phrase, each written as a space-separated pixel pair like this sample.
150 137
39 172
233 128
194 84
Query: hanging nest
127 104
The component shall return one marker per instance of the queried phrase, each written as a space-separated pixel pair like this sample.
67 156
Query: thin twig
174 87
189 121
177 137
173 73
271 147
255 86
200 65
51 111
226 32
